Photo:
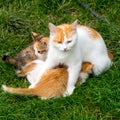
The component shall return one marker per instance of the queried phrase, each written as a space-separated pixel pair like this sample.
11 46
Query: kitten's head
40 44
63 37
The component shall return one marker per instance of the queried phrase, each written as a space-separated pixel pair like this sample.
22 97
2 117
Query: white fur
93 51
33 75
82 48
83 77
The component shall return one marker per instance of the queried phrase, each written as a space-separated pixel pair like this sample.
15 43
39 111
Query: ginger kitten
38 50
52 84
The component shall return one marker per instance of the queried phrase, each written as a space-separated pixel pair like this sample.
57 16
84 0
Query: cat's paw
83 77
69 91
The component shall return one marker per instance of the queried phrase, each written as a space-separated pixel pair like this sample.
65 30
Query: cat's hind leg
101 64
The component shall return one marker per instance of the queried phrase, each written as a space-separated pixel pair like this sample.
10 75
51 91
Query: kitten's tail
21 91
6 58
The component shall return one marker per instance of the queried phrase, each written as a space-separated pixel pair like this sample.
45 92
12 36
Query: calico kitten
38 50
52 84
72 44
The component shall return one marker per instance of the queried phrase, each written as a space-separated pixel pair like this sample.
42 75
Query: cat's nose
65 49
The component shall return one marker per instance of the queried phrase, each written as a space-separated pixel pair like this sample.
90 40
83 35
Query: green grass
98 98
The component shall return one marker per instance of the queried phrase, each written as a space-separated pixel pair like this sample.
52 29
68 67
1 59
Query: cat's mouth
65 50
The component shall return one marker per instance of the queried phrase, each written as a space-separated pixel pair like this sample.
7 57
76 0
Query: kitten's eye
69 41
38 51
44 43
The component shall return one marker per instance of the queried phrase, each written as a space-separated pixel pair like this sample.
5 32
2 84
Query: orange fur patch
86 67
62 31
25 70
110 55
45 39
92 32
67 29
29 67
59 37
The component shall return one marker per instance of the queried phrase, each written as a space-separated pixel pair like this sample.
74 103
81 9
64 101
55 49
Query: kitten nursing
52 84
38 50
71 45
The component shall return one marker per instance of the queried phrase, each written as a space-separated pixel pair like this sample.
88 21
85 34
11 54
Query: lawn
98 98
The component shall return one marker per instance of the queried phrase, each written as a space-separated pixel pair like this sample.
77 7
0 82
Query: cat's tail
6 58
20 91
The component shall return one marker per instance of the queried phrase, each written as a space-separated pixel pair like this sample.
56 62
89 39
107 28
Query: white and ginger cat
53 82
72 44
38 50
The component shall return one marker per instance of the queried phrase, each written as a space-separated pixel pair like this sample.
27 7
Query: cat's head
63 37
40 44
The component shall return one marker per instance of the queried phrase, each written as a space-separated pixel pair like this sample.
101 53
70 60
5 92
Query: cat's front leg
73 73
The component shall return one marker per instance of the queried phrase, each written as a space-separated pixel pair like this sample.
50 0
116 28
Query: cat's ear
34 35
74 25
52 28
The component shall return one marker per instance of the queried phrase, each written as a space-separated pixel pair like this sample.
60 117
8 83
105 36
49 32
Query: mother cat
71 44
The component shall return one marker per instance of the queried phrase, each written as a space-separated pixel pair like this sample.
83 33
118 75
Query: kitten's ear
74 24
34 35
52 28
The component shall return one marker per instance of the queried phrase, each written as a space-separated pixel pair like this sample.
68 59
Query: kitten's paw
44 98
69 91
19 73
32 86
4 87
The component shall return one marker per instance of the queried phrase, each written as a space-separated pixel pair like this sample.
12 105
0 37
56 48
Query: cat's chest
68 57
61 57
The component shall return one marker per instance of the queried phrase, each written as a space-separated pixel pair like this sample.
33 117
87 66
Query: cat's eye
59 42
69 41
